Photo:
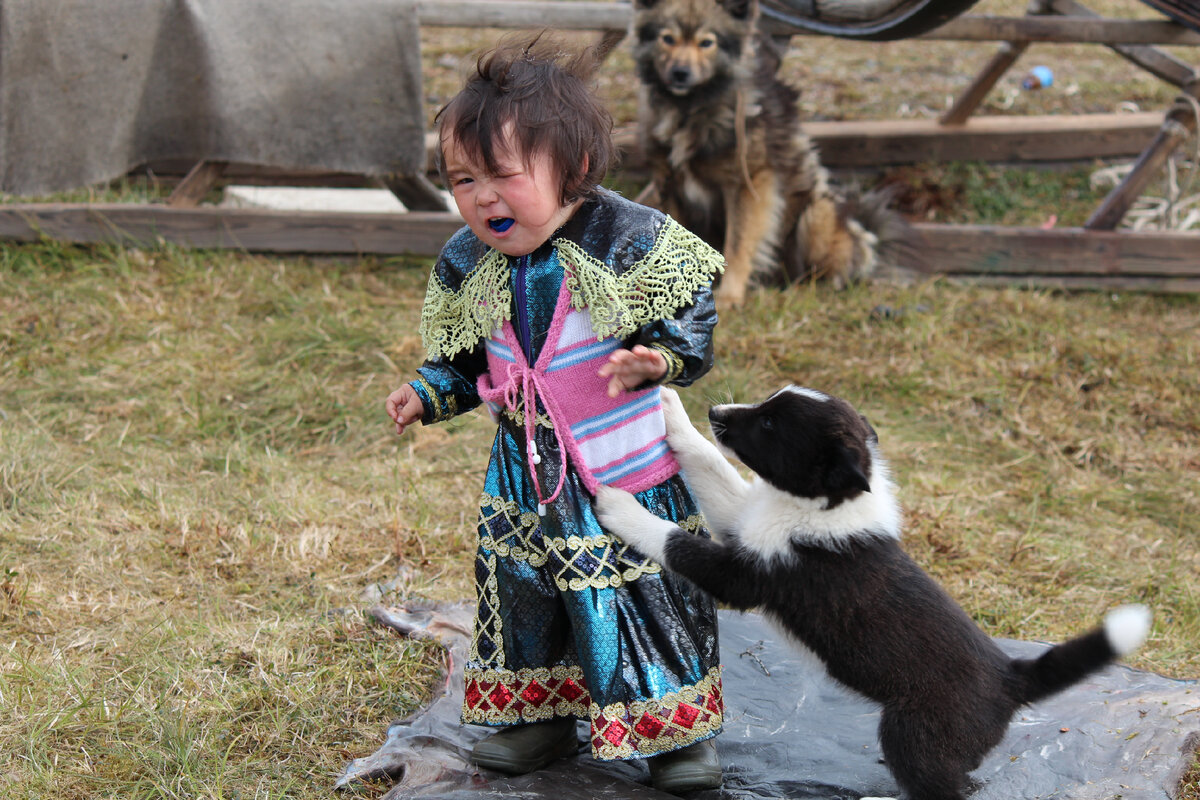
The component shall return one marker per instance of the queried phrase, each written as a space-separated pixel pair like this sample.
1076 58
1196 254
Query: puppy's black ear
738 9
645 3
846 476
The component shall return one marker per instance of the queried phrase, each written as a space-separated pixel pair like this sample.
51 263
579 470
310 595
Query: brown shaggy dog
722 135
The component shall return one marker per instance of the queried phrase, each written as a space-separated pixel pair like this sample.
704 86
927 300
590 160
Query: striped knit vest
608 441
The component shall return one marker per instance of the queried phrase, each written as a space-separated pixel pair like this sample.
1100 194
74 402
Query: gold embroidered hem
618 731
505 697
650 727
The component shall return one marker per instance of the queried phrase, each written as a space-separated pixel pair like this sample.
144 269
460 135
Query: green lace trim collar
665 280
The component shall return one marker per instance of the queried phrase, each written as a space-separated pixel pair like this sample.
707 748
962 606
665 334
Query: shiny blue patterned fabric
554 590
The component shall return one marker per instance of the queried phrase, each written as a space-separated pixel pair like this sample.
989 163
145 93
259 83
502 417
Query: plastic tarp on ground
791 733
90 90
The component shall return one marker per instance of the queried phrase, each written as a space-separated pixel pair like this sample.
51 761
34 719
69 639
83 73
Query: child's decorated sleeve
686 341
447 387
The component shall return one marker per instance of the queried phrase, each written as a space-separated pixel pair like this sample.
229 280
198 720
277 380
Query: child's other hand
404 406
628 369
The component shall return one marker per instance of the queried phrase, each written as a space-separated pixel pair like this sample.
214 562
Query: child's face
514 211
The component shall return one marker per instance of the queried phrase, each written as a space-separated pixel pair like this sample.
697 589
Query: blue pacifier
501 225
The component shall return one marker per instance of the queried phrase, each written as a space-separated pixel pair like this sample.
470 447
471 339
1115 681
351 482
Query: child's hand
404 406
628 369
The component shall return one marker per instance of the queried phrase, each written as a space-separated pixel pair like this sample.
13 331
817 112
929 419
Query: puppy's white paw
674 414
682 436
620 513
623 516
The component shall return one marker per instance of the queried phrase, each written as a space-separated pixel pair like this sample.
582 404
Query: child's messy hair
541 89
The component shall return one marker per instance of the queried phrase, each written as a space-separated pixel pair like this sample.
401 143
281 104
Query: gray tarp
791 733
92 88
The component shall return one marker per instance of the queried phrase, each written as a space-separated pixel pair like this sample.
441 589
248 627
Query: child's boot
688 769
525 748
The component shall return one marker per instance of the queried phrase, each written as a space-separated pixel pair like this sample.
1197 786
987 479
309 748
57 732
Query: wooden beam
593 15
414 233
1067 257
1064 30
876 143
1158 63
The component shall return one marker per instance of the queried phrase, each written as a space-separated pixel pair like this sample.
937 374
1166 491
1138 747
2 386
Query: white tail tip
1127 628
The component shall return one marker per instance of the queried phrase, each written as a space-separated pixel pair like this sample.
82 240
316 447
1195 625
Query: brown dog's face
685 59
683 45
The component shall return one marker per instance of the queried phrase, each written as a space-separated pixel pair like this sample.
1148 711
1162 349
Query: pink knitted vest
608 441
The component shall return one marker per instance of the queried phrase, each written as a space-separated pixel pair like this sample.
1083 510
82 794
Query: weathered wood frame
1092 257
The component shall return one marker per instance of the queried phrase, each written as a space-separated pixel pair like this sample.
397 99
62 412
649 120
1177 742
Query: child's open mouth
500 224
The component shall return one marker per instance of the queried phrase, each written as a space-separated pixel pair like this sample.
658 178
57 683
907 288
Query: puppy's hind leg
920 759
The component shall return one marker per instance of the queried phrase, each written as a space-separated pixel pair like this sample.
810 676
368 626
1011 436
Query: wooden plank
877 143
1099 283
1160 64
1167 259
1069 257
990 138
414 233
983 28
592 15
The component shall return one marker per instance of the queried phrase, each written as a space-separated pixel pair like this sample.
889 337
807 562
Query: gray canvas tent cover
90 90
791 733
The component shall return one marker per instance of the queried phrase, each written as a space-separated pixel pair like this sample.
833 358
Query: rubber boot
688 769
525 748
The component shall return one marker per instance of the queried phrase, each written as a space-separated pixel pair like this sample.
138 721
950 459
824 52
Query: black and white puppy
813 541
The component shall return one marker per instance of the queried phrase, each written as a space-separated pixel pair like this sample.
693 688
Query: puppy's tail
1123 631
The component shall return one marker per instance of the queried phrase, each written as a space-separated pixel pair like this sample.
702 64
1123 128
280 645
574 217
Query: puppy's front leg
719 488
623 516
707 563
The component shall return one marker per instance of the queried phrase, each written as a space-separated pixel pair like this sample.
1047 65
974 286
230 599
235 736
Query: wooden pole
1000 63
969 100
1158 63
1177 128
593 15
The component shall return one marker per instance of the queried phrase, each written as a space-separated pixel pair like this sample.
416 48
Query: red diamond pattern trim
570 690
686 715
500 696
535 694
615 733
643 730
649 726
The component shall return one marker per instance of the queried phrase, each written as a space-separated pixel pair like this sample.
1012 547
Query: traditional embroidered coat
570 622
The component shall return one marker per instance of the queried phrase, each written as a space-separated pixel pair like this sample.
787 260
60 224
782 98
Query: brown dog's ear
738 9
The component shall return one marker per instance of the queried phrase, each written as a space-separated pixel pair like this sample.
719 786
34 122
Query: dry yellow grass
199 492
